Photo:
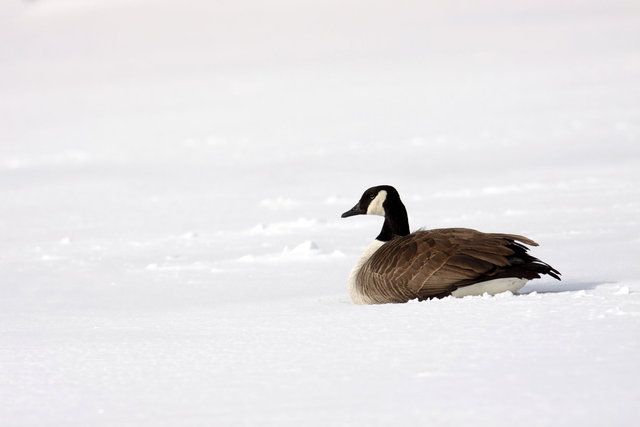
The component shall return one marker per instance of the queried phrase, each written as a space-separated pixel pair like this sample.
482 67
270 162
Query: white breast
356 296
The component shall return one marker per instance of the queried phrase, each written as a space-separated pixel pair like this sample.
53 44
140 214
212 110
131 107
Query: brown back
433 263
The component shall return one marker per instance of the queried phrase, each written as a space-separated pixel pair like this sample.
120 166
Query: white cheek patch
375 207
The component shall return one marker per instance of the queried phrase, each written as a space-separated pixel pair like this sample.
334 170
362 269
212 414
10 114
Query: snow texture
171 183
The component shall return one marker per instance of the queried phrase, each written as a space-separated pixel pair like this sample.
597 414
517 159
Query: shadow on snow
552 288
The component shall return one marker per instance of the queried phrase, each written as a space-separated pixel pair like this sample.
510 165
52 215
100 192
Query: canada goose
400 266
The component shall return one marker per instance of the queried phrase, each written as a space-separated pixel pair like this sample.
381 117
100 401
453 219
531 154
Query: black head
375 201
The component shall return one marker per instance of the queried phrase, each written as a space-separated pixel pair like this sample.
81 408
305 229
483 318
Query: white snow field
172 176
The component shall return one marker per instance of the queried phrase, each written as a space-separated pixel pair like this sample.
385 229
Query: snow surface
171 181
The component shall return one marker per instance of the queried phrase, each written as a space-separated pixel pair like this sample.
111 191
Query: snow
171 184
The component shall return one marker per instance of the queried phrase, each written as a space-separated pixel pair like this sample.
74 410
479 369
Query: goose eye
372 196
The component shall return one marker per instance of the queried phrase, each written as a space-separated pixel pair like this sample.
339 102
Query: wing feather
433 263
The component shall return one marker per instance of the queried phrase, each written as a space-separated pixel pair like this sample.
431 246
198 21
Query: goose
399 266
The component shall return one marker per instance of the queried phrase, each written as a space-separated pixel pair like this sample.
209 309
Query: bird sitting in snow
400 266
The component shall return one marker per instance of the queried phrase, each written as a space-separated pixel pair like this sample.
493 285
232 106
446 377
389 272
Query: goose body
400 266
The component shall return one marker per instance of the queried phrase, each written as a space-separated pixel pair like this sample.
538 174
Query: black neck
396 222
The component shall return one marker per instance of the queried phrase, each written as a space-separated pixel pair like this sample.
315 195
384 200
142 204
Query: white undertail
491 287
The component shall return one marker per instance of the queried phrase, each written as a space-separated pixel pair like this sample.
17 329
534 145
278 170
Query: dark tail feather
543 268
524 263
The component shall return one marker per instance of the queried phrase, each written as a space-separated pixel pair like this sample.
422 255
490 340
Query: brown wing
433 263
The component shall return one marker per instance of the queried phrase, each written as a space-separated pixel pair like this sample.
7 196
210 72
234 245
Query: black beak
353 211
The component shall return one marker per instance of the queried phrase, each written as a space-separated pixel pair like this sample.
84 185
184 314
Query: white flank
375 207
356 296
491 287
